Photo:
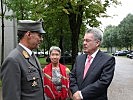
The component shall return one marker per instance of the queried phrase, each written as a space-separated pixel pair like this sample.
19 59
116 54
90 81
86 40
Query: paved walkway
121 87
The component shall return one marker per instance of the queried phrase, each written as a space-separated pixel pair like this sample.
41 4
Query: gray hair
54 48
98 34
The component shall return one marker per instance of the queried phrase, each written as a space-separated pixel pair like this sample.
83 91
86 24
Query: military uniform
21 72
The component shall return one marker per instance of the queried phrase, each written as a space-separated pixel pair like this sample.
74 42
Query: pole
2 45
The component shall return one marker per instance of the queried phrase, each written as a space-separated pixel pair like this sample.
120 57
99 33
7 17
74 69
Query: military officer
21 73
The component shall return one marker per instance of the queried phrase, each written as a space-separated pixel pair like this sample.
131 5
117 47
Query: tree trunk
75 21
61 42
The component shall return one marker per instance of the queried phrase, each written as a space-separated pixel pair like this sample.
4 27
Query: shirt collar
26 49
94 54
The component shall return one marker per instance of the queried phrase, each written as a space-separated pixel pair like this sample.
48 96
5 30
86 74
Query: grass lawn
42 61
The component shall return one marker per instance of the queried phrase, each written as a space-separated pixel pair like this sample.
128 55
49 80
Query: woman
56 80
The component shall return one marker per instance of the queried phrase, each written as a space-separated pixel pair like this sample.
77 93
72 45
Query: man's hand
76 96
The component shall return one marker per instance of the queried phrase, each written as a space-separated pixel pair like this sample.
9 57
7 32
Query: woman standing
56 84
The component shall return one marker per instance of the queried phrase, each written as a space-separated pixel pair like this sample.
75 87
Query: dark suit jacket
98 78
21 77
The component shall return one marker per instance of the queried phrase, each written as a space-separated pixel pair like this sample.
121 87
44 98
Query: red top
50 89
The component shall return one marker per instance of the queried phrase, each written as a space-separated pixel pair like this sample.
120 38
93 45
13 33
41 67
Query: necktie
33 58
33 55
87 65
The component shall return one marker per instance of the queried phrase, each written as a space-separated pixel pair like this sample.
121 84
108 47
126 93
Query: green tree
79 12
57 27
59 15
110 37
26 9
121 35
126 31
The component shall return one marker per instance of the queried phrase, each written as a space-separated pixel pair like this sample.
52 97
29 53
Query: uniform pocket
32 81
32 76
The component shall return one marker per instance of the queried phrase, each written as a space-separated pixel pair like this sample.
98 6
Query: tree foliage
110 36
126 31
62 17
120 36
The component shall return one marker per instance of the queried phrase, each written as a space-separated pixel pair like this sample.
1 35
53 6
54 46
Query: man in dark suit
21 73
92 85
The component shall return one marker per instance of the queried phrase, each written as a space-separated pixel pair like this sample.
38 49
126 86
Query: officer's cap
30 25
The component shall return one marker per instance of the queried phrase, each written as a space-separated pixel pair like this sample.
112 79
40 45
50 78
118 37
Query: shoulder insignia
26 55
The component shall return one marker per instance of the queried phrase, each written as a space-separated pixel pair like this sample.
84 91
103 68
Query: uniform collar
26 49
